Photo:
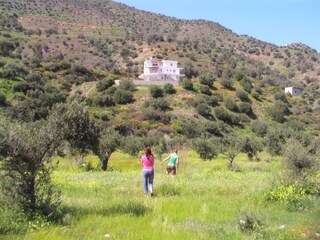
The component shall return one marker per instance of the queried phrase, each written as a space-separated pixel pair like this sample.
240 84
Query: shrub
104 101
255 94
242 95
278 111
14 70
281 97
259 127
246 84
230 104
297 156
187 84
127 84
245 108
159 103
203 109
156 91
222 114
34 77
169 89
205 89
292 195
207 79
104 84
121 96
226 82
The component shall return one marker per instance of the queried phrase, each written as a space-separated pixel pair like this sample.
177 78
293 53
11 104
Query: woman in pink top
147 161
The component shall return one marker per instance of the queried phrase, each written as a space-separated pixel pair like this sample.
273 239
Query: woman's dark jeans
148 176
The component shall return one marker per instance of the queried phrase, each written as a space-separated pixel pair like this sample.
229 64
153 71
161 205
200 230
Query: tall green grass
204 201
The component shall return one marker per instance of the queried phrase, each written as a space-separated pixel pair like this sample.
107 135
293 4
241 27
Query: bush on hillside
226 82
156 91
230 104
207 79
205 89
242 95
104 84
245 108
246 84
121 96
104 100
169 89
128 85
298 157
259 127
203 109
187 84
278 111
157 103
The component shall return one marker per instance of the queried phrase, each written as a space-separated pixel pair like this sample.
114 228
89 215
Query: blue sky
276 21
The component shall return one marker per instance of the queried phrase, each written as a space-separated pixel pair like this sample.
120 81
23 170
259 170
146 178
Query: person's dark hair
148 152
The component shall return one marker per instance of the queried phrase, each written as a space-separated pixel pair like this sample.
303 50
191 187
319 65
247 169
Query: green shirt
173 159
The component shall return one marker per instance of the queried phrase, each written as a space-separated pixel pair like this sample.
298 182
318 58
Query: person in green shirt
173 164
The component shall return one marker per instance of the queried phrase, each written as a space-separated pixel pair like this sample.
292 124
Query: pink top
147 162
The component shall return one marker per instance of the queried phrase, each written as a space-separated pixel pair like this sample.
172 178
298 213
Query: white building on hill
165 70
292 90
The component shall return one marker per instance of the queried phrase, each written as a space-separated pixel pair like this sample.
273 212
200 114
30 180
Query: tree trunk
231 161
105 161
30 193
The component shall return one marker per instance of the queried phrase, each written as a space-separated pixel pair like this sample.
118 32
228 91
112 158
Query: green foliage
203 109
293 196
205 89
245 108
104 100
275 139
190 71
205 99
281 96
206 148
187 84
121 96
230 104
127 84
278 111
242 95
104 84
156 91
169 89
26 150
110 141
132 145
226 82
207 79
14 70
259 127
158 103
298 156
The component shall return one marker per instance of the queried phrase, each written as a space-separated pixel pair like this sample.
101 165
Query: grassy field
204 201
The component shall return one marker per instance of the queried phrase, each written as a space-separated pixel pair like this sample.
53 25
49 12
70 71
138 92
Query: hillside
67 43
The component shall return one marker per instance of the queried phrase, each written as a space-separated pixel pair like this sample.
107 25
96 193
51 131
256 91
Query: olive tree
26 150
110 141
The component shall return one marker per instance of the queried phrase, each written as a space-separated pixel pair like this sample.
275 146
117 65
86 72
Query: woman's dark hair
148 152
